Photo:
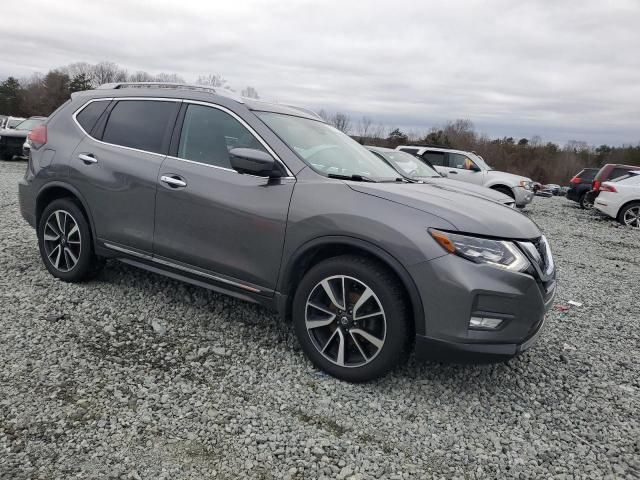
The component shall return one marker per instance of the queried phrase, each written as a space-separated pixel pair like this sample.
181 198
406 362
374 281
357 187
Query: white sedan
620 199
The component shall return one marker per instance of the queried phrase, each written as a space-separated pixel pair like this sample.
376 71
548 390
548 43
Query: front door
464 169
211 218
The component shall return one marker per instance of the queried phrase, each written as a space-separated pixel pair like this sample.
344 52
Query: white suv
470 167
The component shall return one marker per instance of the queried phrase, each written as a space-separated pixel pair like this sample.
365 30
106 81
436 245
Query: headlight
497 253
526 184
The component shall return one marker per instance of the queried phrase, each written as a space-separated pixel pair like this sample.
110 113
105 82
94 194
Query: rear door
116 166
211 220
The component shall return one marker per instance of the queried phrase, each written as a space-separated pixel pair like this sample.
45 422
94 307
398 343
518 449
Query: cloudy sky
560 69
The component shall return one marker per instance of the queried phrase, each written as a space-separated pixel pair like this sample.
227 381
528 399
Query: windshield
327 150
409 165
29 124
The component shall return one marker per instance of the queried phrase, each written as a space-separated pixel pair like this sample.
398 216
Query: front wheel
350 317
630 215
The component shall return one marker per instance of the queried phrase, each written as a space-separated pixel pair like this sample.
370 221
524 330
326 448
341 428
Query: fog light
484 323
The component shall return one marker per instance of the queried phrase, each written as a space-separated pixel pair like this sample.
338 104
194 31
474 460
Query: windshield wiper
356 178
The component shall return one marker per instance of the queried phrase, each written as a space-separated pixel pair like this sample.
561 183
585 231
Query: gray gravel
135 376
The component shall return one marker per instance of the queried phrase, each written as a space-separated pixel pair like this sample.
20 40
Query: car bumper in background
453 290
602 204
522 196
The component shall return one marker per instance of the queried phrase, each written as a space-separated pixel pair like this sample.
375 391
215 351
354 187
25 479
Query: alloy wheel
632 217
62 240
345 321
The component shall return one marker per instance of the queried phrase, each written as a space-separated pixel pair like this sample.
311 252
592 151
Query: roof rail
308 111
183 86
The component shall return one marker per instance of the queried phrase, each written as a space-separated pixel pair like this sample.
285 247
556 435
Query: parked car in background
417 169
269 203
610 171
3 120
620 199
552 188
12 140
12 122
580 186
470 167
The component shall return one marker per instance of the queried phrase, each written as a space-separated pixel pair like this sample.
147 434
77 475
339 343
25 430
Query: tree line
41 94
545 162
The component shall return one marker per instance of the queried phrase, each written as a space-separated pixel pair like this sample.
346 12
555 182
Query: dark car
12 140
581 185
608 172
270 204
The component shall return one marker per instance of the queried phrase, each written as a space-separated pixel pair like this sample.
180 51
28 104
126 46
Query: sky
563 70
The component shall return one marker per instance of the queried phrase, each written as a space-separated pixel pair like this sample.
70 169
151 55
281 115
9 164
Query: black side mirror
252 161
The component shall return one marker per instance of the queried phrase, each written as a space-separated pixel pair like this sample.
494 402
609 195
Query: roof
202 93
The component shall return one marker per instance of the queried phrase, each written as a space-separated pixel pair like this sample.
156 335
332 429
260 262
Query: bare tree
250 92
342 122
168 77
141 76
213 80
108 72
364 127
324 115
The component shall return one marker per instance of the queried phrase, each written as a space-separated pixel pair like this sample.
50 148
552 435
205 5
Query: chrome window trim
180 267
289 176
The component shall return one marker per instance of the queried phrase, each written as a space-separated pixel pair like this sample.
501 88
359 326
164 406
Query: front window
409 165
29 124
327 150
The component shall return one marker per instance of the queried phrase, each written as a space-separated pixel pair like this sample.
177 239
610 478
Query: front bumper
522 196
454 289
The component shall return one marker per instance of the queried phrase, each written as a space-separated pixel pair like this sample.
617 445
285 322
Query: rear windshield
587 174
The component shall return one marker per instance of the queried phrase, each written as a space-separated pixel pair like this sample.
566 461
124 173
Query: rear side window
89 115
437 159
618 172
412 151
208 134
140 124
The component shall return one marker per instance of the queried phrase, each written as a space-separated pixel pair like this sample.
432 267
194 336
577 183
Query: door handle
174 182
88 158
453 171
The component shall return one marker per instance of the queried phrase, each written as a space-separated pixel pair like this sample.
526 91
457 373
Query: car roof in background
202 93
437 149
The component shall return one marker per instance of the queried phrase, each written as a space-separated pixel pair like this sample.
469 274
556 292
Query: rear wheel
630 215
350 317
64 239
586 202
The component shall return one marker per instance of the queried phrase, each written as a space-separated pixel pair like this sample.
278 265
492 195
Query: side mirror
475 168
444 174
252 161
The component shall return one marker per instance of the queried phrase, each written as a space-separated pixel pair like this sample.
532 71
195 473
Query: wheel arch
626 204
55 190
319 249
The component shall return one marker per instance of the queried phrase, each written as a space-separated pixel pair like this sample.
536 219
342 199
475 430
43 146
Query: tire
383 317
584 202
628 213
70 256
506 190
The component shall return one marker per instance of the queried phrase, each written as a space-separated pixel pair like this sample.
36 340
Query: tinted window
437 159
140 124
587 174
89 115
409 150
618 172
208 134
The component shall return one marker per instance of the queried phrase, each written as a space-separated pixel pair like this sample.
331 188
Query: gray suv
270 204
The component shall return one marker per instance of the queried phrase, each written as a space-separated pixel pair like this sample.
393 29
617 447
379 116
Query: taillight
575 180
596 184
38 136
607 187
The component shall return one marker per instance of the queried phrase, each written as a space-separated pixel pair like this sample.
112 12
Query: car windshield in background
29 124
409 164
327 150
13 123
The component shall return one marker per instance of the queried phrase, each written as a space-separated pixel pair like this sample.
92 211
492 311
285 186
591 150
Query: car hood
468 213
10 132
508 177
469 188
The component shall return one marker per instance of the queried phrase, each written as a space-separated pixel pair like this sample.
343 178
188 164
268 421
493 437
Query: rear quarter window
88 116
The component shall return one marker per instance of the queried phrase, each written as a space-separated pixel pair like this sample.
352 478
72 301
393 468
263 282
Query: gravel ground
134 375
